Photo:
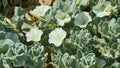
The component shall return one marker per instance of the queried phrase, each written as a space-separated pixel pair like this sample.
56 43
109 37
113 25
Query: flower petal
40 11
82 19
62 18
57 36
34 34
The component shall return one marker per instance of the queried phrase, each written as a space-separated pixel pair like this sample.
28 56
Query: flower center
63 17
102 6
59 38
105 51
83 22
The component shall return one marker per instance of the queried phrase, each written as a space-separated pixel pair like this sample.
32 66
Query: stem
35 43
10 23
13 25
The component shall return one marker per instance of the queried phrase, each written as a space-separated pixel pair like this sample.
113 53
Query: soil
26 4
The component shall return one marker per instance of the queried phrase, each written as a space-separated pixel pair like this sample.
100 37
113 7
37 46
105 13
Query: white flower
34 34
82 19
40 11
105 52
57 36
85 2
103 8
62 18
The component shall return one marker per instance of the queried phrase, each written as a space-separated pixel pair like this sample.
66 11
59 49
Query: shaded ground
26 4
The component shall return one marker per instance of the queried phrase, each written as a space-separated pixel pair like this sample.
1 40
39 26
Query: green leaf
58 4
80 38
115 65
1 21
103 29
26 27
19 61
18 17
100 63
66 60
88 60
29 63
1 63
5 3
118 21
60 64
13 36
6 63
2 34
41 63
109 29
18 11
16 54
80 66
4 45
36 57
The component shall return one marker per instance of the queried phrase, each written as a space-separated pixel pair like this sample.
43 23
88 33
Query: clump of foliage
68 34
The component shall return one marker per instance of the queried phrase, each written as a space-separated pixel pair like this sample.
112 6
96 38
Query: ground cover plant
60 34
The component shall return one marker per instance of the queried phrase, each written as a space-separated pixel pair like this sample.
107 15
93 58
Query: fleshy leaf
4 45
16 54
36 57
100 63
2 35
5 3
13 36
88 60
